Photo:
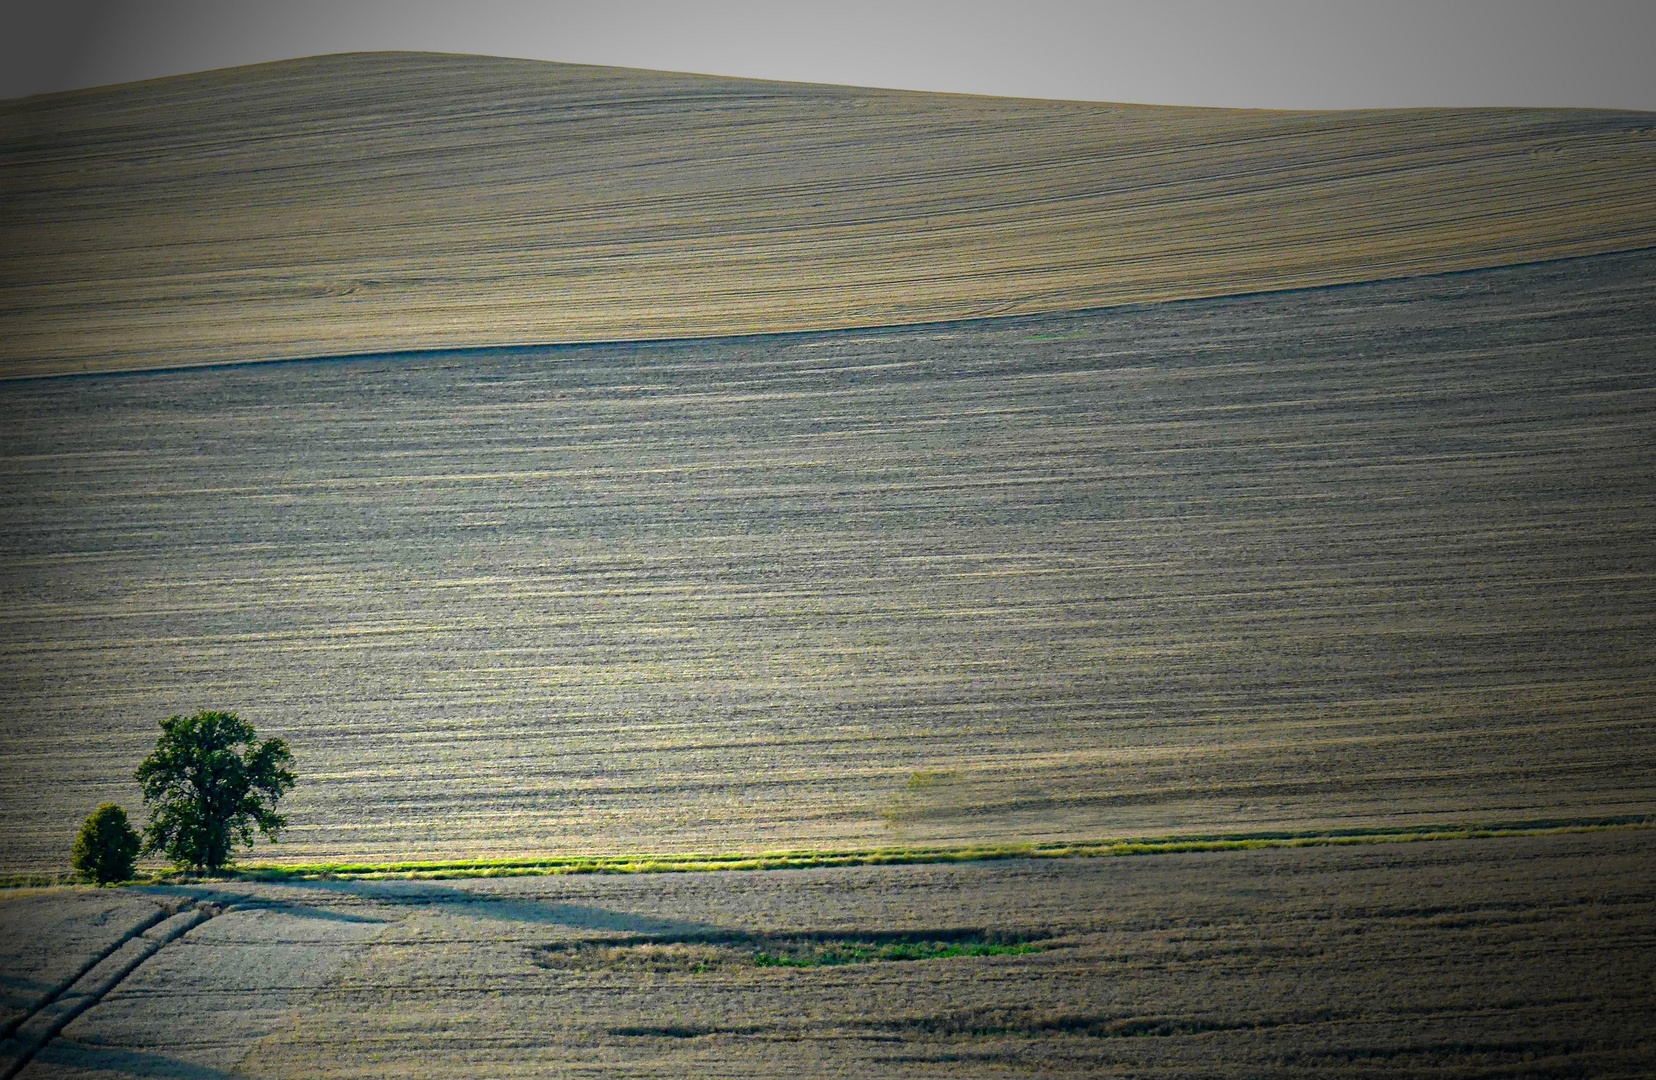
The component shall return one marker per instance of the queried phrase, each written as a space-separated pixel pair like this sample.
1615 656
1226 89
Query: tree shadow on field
110 1061
326 899
231 900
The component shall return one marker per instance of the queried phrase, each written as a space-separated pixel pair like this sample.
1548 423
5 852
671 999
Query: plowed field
396 201
1369 555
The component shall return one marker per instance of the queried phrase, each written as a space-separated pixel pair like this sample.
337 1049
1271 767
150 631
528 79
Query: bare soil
1369 556
381 202
1512 957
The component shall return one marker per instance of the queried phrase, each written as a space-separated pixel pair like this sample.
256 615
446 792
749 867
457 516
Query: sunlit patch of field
1338 558
358 203
1523 956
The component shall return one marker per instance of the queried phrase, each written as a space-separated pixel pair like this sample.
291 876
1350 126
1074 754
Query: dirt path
95 981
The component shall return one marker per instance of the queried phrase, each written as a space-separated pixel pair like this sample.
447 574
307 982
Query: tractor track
102 974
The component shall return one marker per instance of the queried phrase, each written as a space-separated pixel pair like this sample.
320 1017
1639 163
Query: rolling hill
388 202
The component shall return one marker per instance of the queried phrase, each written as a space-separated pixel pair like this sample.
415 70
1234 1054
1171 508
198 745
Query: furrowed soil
1528 956
390 201
1376 555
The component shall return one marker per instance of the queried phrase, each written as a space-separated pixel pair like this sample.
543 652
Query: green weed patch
909 950
699 953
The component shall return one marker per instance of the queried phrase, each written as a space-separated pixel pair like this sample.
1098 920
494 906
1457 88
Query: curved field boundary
93 984
96 958
394 202
802 859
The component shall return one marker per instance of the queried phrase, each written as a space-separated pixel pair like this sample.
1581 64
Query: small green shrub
107 846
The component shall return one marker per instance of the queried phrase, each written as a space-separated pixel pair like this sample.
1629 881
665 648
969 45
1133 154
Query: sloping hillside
394 201
1368 556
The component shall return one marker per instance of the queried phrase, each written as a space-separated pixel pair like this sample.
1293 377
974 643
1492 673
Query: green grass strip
810 858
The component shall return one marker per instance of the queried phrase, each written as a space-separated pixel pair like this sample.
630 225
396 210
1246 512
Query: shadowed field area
392 201
1377 555
1506 957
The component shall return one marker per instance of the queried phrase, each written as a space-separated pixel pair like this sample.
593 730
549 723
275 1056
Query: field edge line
797 859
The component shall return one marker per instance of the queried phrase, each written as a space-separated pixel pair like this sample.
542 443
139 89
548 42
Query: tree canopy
107 846
208 786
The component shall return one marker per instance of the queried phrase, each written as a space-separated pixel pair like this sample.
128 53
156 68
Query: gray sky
1251 53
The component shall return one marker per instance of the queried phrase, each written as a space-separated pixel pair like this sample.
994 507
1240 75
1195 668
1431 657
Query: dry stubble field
1378 555
1353 557
396 201
1526 956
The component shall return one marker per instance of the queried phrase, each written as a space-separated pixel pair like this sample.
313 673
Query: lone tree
107 846
208 786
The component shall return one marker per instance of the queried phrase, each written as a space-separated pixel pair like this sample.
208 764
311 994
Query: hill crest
396 201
